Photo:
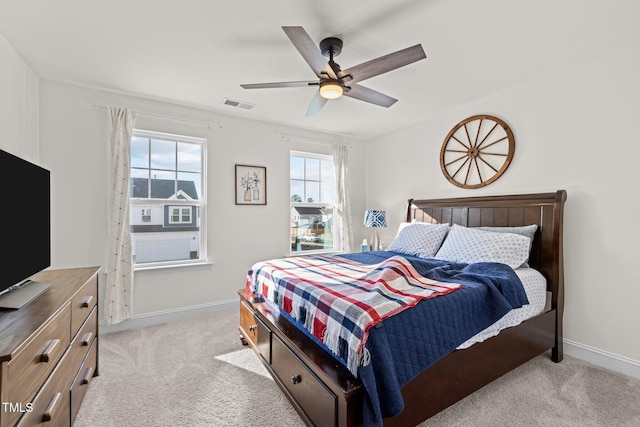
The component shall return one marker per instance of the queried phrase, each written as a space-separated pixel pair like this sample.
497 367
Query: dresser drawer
83 340
83 302
255 331
314 398
83 379
28 370
51 405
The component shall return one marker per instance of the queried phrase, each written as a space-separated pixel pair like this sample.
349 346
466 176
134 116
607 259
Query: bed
325 391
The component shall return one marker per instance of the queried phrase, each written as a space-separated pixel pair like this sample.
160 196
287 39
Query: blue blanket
409 342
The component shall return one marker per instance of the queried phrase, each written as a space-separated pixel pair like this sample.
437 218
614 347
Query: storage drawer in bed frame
319 388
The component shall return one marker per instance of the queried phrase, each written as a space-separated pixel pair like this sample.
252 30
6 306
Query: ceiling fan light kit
334 82
330 89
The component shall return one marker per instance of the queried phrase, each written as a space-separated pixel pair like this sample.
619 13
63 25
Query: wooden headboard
544 209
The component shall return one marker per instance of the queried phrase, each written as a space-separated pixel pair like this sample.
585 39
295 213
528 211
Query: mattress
535 286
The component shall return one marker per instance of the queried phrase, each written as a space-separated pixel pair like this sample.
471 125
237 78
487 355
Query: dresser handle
86 339
86 301
46 355
296 379
253 328
87 376
48 413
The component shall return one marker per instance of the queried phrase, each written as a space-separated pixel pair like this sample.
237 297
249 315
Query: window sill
194 265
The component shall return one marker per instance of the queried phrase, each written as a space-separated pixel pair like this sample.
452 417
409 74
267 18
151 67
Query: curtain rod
309 141
156 116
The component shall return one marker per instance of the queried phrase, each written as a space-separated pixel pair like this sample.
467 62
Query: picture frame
251 185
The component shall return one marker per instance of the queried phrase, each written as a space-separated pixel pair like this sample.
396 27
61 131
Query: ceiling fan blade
279 84
369 95
316 105
384 64
310 52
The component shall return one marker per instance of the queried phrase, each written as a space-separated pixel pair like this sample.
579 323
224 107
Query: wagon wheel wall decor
477 151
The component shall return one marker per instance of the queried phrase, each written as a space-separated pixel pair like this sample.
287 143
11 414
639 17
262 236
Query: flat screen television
25 218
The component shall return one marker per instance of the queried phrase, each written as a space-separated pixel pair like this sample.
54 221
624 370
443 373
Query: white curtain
340 162
119 288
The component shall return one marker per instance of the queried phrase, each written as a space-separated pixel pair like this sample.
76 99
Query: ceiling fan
334 82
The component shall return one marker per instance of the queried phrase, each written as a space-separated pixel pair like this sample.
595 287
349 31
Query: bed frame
325 393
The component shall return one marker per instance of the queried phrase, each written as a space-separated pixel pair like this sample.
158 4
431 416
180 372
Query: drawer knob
88 373
86 301
86 339
46 355
296 379
253 328
48 413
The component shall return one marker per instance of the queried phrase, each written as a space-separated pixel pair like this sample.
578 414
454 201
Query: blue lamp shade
375 219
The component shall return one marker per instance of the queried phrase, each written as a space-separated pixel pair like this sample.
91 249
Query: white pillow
528 231
402 225
469 245
420 239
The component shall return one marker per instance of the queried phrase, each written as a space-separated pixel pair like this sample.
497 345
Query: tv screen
25 218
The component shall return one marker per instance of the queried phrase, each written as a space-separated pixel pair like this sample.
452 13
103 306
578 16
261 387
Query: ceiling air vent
238 104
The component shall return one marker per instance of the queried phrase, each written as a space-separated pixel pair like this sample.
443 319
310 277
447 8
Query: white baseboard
157 317
611 361
589 354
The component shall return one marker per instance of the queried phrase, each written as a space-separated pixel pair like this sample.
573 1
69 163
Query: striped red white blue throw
338 300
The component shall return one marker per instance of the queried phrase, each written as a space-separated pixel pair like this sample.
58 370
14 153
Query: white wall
74 143
18 104
575 129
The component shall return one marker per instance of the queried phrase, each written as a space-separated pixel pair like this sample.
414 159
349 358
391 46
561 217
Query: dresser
49 350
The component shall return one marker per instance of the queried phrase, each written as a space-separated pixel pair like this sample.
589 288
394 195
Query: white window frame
201 203
337 222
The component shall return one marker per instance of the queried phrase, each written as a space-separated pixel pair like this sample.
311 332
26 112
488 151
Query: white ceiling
197 52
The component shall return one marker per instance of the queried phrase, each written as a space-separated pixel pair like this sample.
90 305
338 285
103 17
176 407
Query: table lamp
375 219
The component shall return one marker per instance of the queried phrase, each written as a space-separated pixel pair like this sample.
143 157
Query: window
168 199
180 215
146 214
314 222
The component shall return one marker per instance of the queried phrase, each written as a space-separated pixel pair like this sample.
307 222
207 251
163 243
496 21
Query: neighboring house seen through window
314 224
167 199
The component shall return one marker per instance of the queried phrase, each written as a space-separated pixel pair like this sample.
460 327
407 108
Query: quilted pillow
402 225
471 245
525 230
420 239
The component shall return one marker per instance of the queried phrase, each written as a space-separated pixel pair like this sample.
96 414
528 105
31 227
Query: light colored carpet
196 373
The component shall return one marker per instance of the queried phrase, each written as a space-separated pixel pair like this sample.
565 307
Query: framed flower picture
251 185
